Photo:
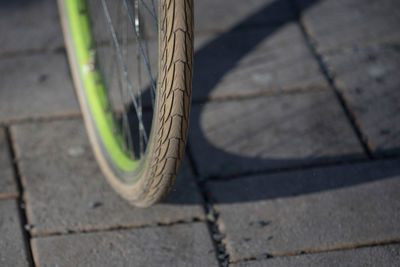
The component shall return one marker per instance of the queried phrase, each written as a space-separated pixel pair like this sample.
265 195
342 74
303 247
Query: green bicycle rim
94 88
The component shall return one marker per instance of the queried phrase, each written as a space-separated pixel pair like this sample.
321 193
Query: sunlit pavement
294 145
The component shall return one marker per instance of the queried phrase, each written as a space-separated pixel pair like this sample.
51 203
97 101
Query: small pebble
222 256
28 227
359 90
218 237
42 78
76 151
376 71
260 223
263 223
221 247
211 217
371 57
384 131
263 256
95 204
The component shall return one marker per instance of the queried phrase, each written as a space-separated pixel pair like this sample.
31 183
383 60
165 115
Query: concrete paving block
8 187
29 26
268 59
341 23
230 137
308 210
177 245
65 190
223 15
12 251
386 255
36 85
369 79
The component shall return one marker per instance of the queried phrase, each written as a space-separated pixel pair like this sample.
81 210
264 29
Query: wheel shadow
208 73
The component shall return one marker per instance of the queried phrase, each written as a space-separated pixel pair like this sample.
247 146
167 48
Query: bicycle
118 91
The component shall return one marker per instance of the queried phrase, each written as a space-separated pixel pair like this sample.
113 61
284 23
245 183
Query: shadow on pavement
208 74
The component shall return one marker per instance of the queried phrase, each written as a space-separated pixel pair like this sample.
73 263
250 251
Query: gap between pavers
65 190
12 247
8 186
36 86
247 135
267 59
307 210
369 80
177 245
348 23
358 44
386 255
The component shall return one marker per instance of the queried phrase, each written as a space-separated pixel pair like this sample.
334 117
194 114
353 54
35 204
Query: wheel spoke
139 70
136 32
151 12
125 55
125 125
123 64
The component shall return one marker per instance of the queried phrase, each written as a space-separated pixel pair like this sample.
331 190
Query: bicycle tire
154 174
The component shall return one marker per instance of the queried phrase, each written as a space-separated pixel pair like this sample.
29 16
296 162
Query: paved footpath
294 155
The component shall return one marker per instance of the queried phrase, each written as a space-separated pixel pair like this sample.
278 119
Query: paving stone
388 255
339 23
369 79
267 59
29 25
308 210
36 85
177 245
239 136
12 251
8 188
222 15
65 190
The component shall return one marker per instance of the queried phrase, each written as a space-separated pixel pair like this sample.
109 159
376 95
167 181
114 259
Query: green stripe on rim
94 88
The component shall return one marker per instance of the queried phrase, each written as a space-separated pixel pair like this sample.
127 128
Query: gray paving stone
223 15
267 59
337 23
8 188
12 251
246 135
29 25
65 190
369 79
388 255
177 245
37 85
308 210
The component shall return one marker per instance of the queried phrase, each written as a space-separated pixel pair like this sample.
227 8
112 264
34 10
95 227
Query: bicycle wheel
131 62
